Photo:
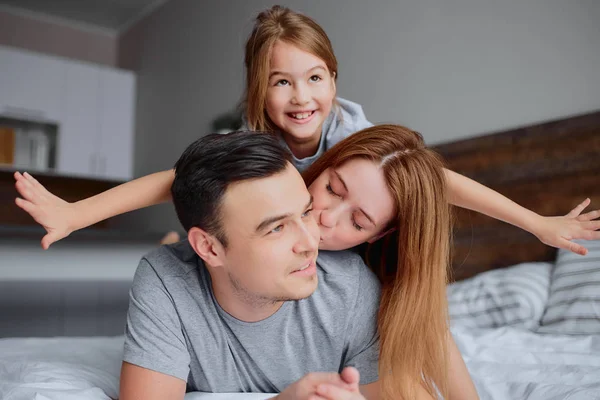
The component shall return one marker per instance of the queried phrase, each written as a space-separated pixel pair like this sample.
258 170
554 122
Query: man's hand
345 384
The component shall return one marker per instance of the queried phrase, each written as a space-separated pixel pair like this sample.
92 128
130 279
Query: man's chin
303 293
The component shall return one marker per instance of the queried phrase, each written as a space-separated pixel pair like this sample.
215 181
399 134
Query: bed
525 317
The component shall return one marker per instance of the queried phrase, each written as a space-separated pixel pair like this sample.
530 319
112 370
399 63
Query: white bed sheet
506 363
509 363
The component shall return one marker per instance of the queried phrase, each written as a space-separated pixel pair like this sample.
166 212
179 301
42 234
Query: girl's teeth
302 115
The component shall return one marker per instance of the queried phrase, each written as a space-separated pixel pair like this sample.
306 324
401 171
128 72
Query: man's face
272 240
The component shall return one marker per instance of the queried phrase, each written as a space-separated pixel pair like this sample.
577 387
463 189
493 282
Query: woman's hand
48 210
559 231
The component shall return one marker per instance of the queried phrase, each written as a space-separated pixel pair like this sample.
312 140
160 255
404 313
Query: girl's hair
413 320
278 23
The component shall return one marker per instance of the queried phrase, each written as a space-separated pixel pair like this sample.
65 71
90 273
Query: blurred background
94 93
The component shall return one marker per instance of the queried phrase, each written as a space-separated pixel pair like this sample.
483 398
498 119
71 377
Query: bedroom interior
525 315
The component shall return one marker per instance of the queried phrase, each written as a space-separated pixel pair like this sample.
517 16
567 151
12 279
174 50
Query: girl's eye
282 82
307 213
330 190
277 229
315 78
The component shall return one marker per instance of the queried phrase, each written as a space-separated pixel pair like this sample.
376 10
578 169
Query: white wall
447 68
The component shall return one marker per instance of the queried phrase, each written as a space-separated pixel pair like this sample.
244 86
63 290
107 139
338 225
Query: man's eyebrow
346 188
271 220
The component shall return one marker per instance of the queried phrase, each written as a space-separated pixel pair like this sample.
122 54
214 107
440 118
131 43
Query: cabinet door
116 123
78 139
31 85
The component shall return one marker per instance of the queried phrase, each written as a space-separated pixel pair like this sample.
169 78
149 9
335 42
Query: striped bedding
573 305
514 296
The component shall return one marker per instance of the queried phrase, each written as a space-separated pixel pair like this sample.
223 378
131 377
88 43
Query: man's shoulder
173 260
346 263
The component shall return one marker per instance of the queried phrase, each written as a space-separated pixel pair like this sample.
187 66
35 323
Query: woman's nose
329 218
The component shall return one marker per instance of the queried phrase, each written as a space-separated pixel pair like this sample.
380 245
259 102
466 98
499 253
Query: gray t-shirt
176 327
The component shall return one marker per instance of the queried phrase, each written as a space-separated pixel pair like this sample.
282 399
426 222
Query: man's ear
207 246
380 235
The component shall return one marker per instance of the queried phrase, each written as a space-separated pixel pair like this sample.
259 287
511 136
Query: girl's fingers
571 246
589 216
24 189
592 225
577 210
35 182
25 205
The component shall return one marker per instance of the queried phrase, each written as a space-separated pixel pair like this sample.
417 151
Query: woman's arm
460 384
553 231
60 218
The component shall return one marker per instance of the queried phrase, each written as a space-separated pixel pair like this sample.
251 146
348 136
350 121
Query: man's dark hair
210 164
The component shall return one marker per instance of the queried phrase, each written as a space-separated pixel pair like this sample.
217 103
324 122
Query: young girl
291 75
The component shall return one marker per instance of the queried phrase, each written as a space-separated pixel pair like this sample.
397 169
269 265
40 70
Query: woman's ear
380 235
207 246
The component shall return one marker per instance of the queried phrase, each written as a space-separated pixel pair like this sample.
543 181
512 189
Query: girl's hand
559 231
48 210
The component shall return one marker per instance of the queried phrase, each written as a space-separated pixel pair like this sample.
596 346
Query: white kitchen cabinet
78 136
31 85
117 104
92 107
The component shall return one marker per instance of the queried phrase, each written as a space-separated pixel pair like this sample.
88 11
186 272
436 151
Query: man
244 305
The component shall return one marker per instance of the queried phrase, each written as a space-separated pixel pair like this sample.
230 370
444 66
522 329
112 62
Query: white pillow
574 303
513 296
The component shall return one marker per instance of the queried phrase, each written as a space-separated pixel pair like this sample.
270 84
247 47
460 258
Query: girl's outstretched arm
553 231
60 218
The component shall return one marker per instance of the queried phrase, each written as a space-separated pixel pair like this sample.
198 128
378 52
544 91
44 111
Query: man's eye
277 229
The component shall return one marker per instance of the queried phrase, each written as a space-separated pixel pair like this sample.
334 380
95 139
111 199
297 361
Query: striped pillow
574 303
513 296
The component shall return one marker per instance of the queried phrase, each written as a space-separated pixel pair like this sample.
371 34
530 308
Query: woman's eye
307 213
330 190
315 78
282 82
357 226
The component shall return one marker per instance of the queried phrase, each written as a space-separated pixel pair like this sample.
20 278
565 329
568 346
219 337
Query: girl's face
300 93
351 204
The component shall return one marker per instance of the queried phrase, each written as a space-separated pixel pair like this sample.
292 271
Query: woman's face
351 204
